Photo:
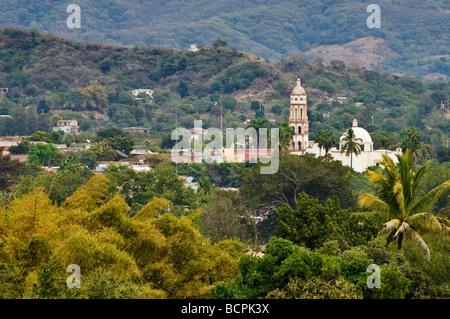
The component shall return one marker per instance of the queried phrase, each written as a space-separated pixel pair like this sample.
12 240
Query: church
298 122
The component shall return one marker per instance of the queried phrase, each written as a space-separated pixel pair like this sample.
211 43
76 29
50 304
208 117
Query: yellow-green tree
151 255
95 96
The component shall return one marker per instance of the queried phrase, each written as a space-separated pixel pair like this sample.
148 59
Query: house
137 129
138 167
137 94
67 126
341 100
78 147
189 182
193 47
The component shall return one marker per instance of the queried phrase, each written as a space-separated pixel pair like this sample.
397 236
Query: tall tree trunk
390 238
400 239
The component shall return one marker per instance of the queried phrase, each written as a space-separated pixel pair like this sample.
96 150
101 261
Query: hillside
49 78
415 32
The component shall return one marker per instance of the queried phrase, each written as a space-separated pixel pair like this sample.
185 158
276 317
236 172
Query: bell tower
298 119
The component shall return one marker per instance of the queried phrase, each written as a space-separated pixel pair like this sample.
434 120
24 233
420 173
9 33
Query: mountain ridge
273 30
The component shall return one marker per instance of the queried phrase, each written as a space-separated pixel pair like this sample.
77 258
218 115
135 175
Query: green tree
312 224
285 137
258 124
223 214
95 97
11 170
350 145
22 148
49 137
43 154
386 140
111 132
296 174
325 140
121 143
88 158
397 195
104 151
219 43
412 142
182 89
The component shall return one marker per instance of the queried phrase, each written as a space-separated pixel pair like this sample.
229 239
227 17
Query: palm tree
285 137
328 141
260 122
320 140
325 140
351 144
412 142
386 140
397 195
206 186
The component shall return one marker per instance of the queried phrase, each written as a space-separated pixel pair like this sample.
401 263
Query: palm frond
418 177
400 198
372 202
376 178
388 163
390 226
429 198
424 222
415 237
445 224
384 216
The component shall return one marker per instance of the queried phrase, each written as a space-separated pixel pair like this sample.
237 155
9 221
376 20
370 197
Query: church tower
298 119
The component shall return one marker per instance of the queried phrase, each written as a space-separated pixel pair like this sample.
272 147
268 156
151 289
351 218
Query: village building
300 145
67 126
138 94
137 129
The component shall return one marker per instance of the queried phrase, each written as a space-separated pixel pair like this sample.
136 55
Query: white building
67 126
368 156
137 94
301 145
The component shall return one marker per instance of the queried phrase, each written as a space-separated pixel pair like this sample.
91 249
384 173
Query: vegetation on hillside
144 235
416 31
299 233
51 78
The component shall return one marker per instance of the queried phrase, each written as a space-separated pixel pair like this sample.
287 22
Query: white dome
298 89
360 133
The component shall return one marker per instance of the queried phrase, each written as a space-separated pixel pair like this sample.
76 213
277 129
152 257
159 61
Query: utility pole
176 127
221 128
221 107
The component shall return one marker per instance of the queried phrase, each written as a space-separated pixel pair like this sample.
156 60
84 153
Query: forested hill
49 78
413 38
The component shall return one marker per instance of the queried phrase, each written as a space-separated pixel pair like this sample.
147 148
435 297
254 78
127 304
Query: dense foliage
415 31
298 233
145 235
51 78
151 255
